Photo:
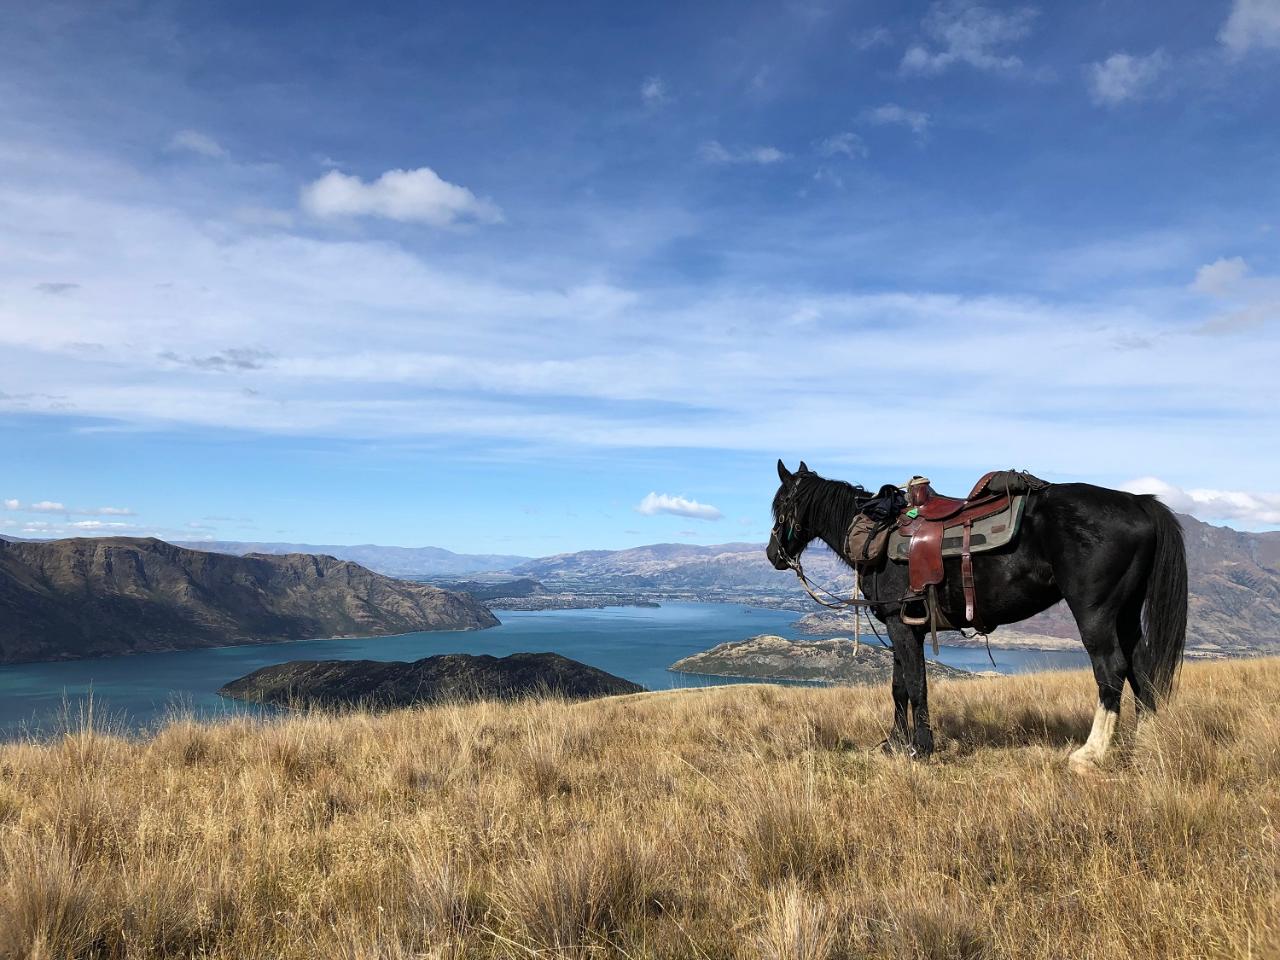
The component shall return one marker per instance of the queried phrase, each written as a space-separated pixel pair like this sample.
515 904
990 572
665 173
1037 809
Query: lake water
637 643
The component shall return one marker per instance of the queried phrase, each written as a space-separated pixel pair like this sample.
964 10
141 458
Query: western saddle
934 526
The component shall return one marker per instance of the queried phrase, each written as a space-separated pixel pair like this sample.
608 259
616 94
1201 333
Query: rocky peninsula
770 657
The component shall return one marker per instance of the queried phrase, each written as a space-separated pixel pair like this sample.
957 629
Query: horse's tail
1164 633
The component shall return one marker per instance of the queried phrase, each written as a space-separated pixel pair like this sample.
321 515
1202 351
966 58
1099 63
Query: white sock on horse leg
1095 748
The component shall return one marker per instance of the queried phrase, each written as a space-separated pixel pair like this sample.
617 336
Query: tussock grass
729 822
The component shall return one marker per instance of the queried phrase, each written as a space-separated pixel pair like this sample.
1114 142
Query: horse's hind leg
1130 633
1110 669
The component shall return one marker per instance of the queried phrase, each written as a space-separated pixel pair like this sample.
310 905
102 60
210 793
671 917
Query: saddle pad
989 533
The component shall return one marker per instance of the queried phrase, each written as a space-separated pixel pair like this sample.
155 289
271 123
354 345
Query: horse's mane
824 504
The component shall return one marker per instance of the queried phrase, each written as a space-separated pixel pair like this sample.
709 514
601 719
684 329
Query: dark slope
446 677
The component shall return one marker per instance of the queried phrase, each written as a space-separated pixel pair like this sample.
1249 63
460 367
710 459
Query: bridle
835 602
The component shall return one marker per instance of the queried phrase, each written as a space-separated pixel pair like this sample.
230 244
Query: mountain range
392 561
1234 581
1234 587
66 599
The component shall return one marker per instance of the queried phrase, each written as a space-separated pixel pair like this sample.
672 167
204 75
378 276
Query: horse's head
790 534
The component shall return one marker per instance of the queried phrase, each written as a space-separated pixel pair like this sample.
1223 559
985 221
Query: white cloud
1123 76
1220 277
1251 23
12 505
713 151
969 33
193 141
842 145
99 525
653 91
1253 301
1253 509
892 114
419 195
655 503
47 506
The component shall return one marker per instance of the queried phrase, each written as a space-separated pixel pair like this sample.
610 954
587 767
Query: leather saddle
934 526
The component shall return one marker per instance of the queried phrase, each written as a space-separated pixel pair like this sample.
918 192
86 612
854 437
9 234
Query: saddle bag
868 540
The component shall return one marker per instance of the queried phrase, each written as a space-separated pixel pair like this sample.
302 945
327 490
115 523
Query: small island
770 657
448 677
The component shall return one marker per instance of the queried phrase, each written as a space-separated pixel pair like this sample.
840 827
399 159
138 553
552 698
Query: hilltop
735 822
65 599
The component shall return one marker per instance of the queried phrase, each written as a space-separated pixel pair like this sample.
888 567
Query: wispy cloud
892 114
1221 277
655 503
1251 301
193 141
872 38
842 145
1251 23
1124 76
653 91
54 506
962 32
57 287
420 196
231 359
1237 506
713 151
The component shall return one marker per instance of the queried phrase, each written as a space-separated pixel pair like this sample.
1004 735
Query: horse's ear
783 473
804 467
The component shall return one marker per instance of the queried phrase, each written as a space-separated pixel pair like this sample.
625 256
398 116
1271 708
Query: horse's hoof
1083 764
897 748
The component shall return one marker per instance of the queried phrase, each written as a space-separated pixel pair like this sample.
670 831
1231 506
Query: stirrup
920 621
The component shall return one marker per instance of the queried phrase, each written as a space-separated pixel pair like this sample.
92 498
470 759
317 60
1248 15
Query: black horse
1108 553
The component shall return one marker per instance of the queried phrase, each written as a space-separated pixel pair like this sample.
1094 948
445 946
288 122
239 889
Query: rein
841 603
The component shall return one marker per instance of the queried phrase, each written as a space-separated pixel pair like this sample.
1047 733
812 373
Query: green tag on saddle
913 513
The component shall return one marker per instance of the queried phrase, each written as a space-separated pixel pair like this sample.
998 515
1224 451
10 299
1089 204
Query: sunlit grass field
732 822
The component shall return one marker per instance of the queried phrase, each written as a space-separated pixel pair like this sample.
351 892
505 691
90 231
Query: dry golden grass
724 823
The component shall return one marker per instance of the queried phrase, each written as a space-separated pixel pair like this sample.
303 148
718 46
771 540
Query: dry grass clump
731 822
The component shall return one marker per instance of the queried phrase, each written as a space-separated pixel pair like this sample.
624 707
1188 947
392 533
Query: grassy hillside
725 823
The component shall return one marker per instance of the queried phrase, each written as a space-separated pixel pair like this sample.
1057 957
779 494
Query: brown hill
66 599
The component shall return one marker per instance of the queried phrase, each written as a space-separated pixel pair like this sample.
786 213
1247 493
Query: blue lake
638 643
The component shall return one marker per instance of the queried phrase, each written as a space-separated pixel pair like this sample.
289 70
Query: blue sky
502 280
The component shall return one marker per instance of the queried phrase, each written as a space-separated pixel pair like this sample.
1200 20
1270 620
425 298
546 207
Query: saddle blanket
989 533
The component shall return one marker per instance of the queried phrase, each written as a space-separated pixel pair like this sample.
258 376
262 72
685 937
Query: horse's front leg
910 688
899 740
